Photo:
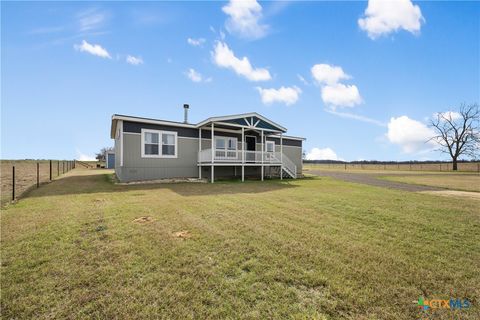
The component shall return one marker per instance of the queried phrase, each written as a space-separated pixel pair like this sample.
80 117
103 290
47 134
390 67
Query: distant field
26 175
456 182
404 167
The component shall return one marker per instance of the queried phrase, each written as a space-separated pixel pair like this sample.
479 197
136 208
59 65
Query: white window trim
226 138
266 146
159 155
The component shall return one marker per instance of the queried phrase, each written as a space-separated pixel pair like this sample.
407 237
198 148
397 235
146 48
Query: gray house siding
131 166
137 168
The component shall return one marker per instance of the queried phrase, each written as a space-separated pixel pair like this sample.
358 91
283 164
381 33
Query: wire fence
473 167
20 176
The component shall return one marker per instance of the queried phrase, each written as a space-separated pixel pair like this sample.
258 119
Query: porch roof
250 120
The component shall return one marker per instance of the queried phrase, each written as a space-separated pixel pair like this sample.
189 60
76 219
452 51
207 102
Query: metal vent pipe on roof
185 108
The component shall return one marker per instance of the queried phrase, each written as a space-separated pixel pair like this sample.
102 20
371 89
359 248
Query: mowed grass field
293 249
455 182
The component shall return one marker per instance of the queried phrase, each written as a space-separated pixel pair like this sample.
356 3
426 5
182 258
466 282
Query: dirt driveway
373 180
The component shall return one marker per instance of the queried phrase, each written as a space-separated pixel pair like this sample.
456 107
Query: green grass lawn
449 181
311 248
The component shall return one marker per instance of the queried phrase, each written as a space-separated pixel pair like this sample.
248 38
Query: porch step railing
289 167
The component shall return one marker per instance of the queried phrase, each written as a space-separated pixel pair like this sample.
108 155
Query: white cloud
47 30
356 117
90 19
383 17
327 74
196 76
225 58
286 95
95 49
196 42
409 134
302 80
244 18
322 154
450 115
341 95
334 93
84 157
134 60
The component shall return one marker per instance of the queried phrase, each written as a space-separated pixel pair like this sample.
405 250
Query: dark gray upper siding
136 127
286 142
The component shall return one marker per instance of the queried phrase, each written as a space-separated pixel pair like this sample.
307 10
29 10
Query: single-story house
244 145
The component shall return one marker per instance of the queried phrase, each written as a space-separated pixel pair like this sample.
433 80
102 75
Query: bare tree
458 133
101 156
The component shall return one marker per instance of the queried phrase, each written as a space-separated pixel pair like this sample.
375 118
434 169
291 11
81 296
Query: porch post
263 150
199 152
281 156
243 154
213 153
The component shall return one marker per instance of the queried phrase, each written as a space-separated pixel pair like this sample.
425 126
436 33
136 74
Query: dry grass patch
461 182
455 194
185 234
144 219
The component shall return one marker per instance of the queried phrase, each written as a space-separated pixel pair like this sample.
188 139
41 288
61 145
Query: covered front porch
243 141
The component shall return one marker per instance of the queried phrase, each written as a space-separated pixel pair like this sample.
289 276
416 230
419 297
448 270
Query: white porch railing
235 156
222 155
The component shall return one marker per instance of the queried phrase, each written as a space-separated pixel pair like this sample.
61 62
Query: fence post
13 183
58 168
63 167
50 170
38 174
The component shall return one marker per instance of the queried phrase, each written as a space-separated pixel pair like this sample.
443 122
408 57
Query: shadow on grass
94 181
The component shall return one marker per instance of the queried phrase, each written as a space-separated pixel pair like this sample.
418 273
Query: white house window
219 143
232 144
168 144
159 144
151 143
225 147
270 146
226 143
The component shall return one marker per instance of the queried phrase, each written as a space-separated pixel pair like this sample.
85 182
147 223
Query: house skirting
221 171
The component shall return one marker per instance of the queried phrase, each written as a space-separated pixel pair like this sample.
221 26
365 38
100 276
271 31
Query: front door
250 146
250 143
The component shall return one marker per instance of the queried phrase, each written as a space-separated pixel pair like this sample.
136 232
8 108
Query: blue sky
359 80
